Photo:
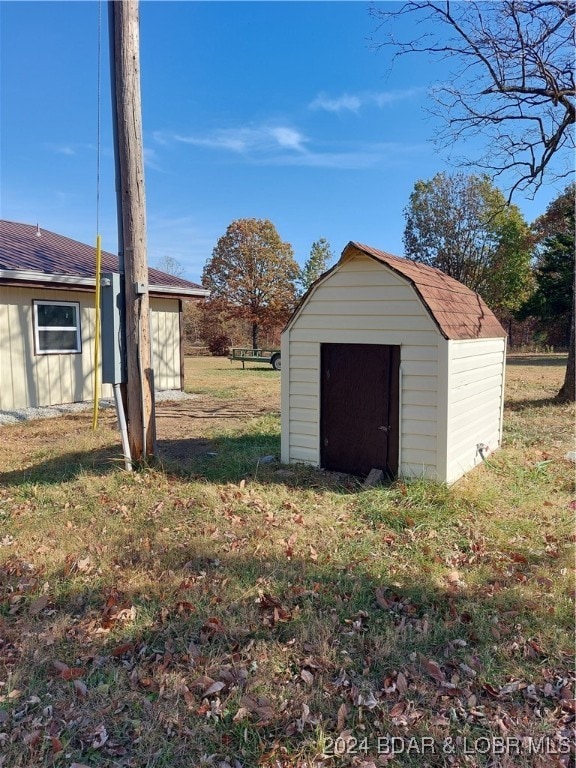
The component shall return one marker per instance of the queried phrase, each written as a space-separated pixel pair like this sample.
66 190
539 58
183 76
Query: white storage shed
391 364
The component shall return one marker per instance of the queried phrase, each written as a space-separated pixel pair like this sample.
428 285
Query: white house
390 364
47 319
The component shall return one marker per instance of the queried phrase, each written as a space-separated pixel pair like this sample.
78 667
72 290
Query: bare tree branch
514 78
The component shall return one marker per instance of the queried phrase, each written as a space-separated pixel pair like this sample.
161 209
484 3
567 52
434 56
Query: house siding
475 400
165 327
362 302
30 380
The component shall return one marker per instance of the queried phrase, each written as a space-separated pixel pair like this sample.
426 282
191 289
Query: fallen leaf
214 688
289 551
453 577
38 605
307 676
210 628
341 720
258 706
120 650
434 671
100 737
517 557
183 607
81 688
72 673
367 700
381 599
242 714
516 685
401 683
440 720
398 709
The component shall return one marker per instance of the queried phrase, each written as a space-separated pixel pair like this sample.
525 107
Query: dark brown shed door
359 408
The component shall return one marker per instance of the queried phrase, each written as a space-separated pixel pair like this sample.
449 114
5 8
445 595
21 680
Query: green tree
321 256
463 226
552 302
252 274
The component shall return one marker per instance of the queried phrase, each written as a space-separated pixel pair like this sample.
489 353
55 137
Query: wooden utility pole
127 116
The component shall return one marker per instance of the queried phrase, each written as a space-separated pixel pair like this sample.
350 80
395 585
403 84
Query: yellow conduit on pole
97 332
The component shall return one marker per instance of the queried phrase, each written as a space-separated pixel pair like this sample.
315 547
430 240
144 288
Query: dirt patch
184 429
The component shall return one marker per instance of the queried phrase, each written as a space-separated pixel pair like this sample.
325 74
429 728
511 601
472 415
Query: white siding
362 302
31 380
475 400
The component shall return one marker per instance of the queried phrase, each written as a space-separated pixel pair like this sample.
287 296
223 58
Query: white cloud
151 159
282 145
265 138
63 149
355 102
288 138
344 103
363 156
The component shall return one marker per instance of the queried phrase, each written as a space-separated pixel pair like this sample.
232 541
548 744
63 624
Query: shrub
219 345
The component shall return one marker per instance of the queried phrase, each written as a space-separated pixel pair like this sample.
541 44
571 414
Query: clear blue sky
277 110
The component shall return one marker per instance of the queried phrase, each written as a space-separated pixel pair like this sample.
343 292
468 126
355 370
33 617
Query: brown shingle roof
458 312
22 249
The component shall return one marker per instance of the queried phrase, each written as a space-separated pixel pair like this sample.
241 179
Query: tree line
461 224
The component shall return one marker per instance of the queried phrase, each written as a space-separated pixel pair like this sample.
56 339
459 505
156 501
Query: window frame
37 328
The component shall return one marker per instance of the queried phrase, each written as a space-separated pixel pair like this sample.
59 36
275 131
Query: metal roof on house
31 254
459 312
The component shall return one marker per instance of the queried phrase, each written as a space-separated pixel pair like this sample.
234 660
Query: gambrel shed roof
458 312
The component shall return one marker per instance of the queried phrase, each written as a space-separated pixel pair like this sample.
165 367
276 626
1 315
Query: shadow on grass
256 367
224 459
66 467
538 360
236 457
527 404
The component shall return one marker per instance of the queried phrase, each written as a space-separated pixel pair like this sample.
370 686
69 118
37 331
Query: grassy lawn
234 613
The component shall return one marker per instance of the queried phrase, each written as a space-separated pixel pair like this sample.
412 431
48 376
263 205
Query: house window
57 327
